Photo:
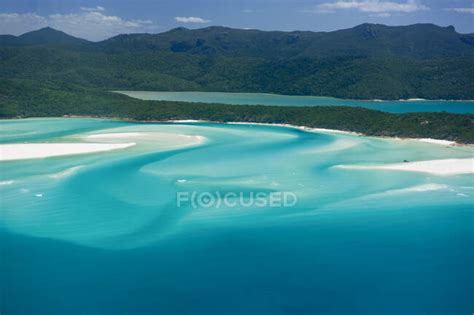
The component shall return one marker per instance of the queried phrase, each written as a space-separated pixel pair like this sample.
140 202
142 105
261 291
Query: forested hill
419 41
365 62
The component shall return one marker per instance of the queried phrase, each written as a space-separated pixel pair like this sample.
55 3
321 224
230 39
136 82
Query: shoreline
411 99
305 128
332 131
27 151
353 133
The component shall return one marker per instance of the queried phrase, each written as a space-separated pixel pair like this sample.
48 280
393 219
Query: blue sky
100 19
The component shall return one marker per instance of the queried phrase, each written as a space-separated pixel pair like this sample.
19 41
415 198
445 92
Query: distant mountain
44 36
419 40
367 61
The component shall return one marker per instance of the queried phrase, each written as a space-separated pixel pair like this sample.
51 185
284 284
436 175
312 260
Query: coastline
309 129
305 128
335 131
113 140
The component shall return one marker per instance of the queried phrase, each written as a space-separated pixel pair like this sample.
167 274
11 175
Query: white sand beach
435 167
187 121
25 151
330 131
437 141
309 129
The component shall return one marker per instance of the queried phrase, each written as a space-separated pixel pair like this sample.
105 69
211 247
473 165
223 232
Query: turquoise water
102 233
287 100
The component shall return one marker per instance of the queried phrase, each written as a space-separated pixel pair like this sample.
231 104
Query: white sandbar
24 151
436 167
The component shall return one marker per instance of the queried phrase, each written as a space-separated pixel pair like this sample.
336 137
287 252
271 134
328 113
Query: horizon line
235 28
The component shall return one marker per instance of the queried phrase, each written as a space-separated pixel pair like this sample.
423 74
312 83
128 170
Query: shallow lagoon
405 106
102 234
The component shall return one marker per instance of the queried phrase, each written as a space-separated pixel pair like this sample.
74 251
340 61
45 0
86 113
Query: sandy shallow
437 141
25 151
436 167
122 135
108 142
159 139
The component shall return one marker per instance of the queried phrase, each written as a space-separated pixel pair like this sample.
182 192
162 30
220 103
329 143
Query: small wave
419 188
338 145
66 173
412 189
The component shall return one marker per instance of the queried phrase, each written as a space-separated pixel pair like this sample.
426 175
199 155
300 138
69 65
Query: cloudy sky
99 19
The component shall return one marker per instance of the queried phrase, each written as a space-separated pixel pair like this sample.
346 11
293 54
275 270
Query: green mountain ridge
419 40
49 73
364 62
42 36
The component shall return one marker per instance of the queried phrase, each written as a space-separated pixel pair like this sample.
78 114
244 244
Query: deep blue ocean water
102 233
402 106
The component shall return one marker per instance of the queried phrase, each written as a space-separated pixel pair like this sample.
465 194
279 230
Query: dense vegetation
365 62
49 73
22 98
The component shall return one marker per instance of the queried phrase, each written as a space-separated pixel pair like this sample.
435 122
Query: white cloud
97 8
461 10
382 15
16 24
89 24
96 25
191 19
370 6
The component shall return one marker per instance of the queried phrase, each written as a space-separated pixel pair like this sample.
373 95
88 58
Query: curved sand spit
436 167
113 141
25 151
